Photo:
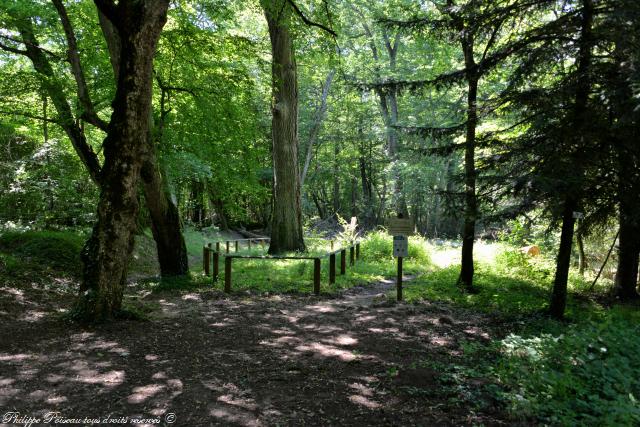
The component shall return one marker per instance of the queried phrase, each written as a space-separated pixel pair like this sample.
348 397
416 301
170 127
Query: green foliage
523 232
585 376
349 233
509 283
515 263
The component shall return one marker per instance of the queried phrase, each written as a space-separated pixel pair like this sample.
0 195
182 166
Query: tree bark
627 134
470 210
582 262
166 225
571 202
107 252
563 262
626 280
335 200
197 203
286 225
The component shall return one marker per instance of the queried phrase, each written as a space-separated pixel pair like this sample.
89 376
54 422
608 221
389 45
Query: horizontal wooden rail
354 254
270 257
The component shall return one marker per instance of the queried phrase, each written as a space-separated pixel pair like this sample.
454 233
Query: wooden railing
209 254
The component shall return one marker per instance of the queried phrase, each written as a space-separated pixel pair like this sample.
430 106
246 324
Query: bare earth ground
207 359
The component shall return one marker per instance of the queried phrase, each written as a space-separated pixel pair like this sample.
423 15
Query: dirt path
207 359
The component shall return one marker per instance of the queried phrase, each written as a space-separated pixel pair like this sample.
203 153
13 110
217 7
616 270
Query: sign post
400 228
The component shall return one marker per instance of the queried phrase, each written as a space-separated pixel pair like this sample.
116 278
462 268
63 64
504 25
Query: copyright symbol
170 418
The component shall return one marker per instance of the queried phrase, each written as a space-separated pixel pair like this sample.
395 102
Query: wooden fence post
236 246
227 274
358 250
216 265
217 246
352 256
316 276
207 259
227 242
343 261
332 245
249 242
399 280
332 268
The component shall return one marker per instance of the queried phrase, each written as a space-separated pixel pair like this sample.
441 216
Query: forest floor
205 358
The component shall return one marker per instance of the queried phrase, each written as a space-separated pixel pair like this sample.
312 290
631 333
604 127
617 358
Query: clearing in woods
211 359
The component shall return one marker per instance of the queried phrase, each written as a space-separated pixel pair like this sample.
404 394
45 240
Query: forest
200 199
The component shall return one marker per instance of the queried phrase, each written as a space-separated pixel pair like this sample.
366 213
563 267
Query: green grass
29 252
513 284
584 372
296 276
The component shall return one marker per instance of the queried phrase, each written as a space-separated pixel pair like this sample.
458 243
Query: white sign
400 246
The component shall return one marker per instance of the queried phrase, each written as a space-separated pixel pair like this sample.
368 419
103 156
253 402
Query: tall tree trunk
563 262
626 280
627 134
582 262
222 216
336 182
559 293
197 202
317 124
470 210
166 225
354 196
107 252
286 225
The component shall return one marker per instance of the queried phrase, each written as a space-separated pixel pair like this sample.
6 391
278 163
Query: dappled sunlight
191 297
444 258
342 340
233 404
33 316
140 394
323 350
364 401
241 359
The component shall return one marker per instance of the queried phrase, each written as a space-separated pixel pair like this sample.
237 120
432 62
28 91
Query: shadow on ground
251 361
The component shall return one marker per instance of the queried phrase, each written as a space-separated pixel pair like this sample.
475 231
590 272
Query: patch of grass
512 285
293 276
22 252
548 372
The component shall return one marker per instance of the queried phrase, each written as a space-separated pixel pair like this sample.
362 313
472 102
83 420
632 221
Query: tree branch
109 9
308 22
29 116
88 113
28 44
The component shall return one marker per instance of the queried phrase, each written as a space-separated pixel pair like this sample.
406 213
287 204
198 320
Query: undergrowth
584 372
38 252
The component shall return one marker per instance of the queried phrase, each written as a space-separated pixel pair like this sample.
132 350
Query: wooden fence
209 254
